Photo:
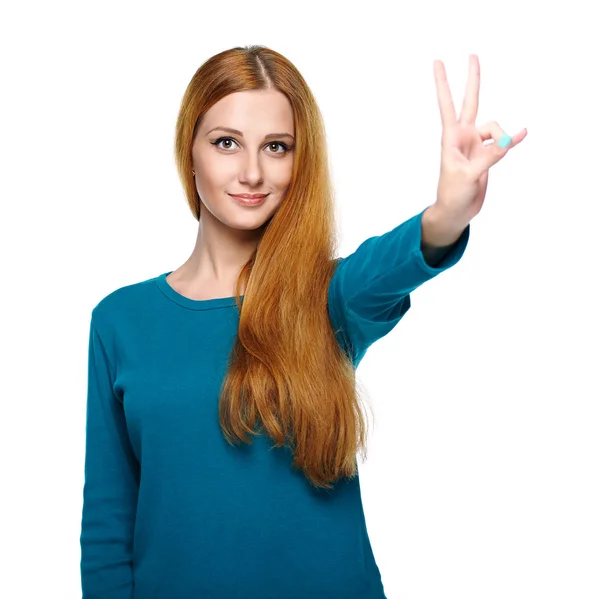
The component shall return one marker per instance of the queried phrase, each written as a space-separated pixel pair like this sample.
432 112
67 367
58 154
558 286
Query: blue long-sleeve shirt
170 509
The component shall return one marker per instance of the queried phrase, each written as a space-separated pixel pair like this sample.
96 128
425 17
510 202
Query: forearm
438 235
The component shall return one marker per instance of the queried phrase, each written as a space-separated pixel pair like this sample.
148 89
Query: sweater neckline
187 302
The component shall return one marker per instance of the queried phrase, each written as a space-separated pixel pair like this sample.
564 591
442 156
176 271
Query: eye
218 142
286 149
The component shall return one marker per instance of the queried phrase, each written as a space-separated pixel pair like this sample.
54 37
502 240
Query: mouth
249 196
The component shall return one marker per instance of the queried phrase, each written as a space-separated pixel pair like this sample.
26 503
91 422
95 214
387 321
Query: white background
483 473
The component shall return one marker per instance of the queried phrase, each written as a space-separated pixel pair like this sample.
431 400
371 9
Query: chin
248 227
250 221
247 224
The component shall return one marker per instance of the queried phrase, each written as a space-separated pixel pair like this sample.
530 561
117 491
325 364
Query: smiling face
256 159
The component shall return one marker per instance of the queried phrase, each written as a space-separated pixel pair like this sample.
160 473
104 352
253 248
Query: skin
228 233
465 163
465 160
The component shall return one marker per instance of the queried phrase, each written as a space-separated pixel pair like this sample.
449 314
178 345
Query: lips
249 196
249 199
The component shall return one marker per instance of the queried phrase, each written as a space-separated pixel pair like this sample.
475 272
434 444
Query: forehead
251 111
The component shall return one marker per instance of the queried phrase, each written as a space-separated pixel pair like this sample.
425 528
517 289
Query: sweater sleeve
370 290
110 488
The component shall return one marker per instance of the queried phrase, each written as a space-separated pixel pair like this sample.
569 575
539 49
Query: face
257 159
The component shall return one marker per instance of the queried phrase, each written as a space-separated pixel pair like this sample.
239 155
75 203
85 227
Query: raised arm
370 290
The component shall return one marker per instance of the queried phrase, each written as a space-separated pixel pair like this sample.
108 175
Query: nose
251 171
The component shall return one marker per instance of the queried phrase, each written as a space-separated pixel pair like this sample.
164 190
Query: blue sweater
170 509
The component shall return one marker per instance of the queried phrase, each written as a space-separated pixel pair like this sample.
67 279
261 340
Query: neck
219 254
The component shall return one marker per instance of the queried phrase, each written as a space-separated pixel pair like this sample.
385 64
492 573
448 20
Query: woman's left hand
465 159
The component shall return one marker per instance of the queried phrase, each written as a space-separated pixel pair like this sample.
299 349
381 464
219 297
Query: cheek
283 175
217 173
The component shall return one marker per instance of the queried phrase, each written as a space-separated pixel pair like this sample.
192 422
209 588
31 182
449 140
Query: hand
465 159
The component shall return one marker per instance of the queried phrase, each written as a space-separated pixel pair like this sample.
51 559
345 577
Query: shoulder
120 302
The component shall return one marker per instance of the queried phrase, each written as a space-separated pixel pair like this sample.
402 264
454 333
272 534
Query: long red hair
286 370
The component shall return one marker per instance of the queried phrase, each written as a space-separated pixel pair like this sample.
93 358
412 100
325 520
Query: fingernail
504 141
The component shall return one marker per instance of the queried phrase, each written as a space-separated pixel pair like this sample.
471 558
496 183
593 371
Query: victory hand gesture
465 159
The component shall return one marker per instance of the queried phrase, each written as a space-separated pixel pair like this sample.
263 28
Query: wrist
438 229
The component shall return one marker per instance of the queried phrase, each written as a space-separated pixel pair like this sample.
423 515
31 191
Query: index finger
446 104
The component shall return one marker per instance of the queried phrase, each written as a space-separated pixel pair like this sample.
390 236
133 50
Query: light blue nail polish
504 141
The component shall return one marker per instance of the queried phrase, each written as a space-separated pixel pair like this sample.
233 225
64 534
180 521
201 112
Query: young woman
223 417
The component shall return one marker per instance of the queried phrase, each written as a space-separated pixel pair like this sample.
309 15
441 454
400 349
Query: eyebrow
236 132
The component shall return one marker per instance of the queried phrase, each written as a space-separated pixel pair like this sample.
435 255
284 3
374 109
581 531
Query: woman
223 418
